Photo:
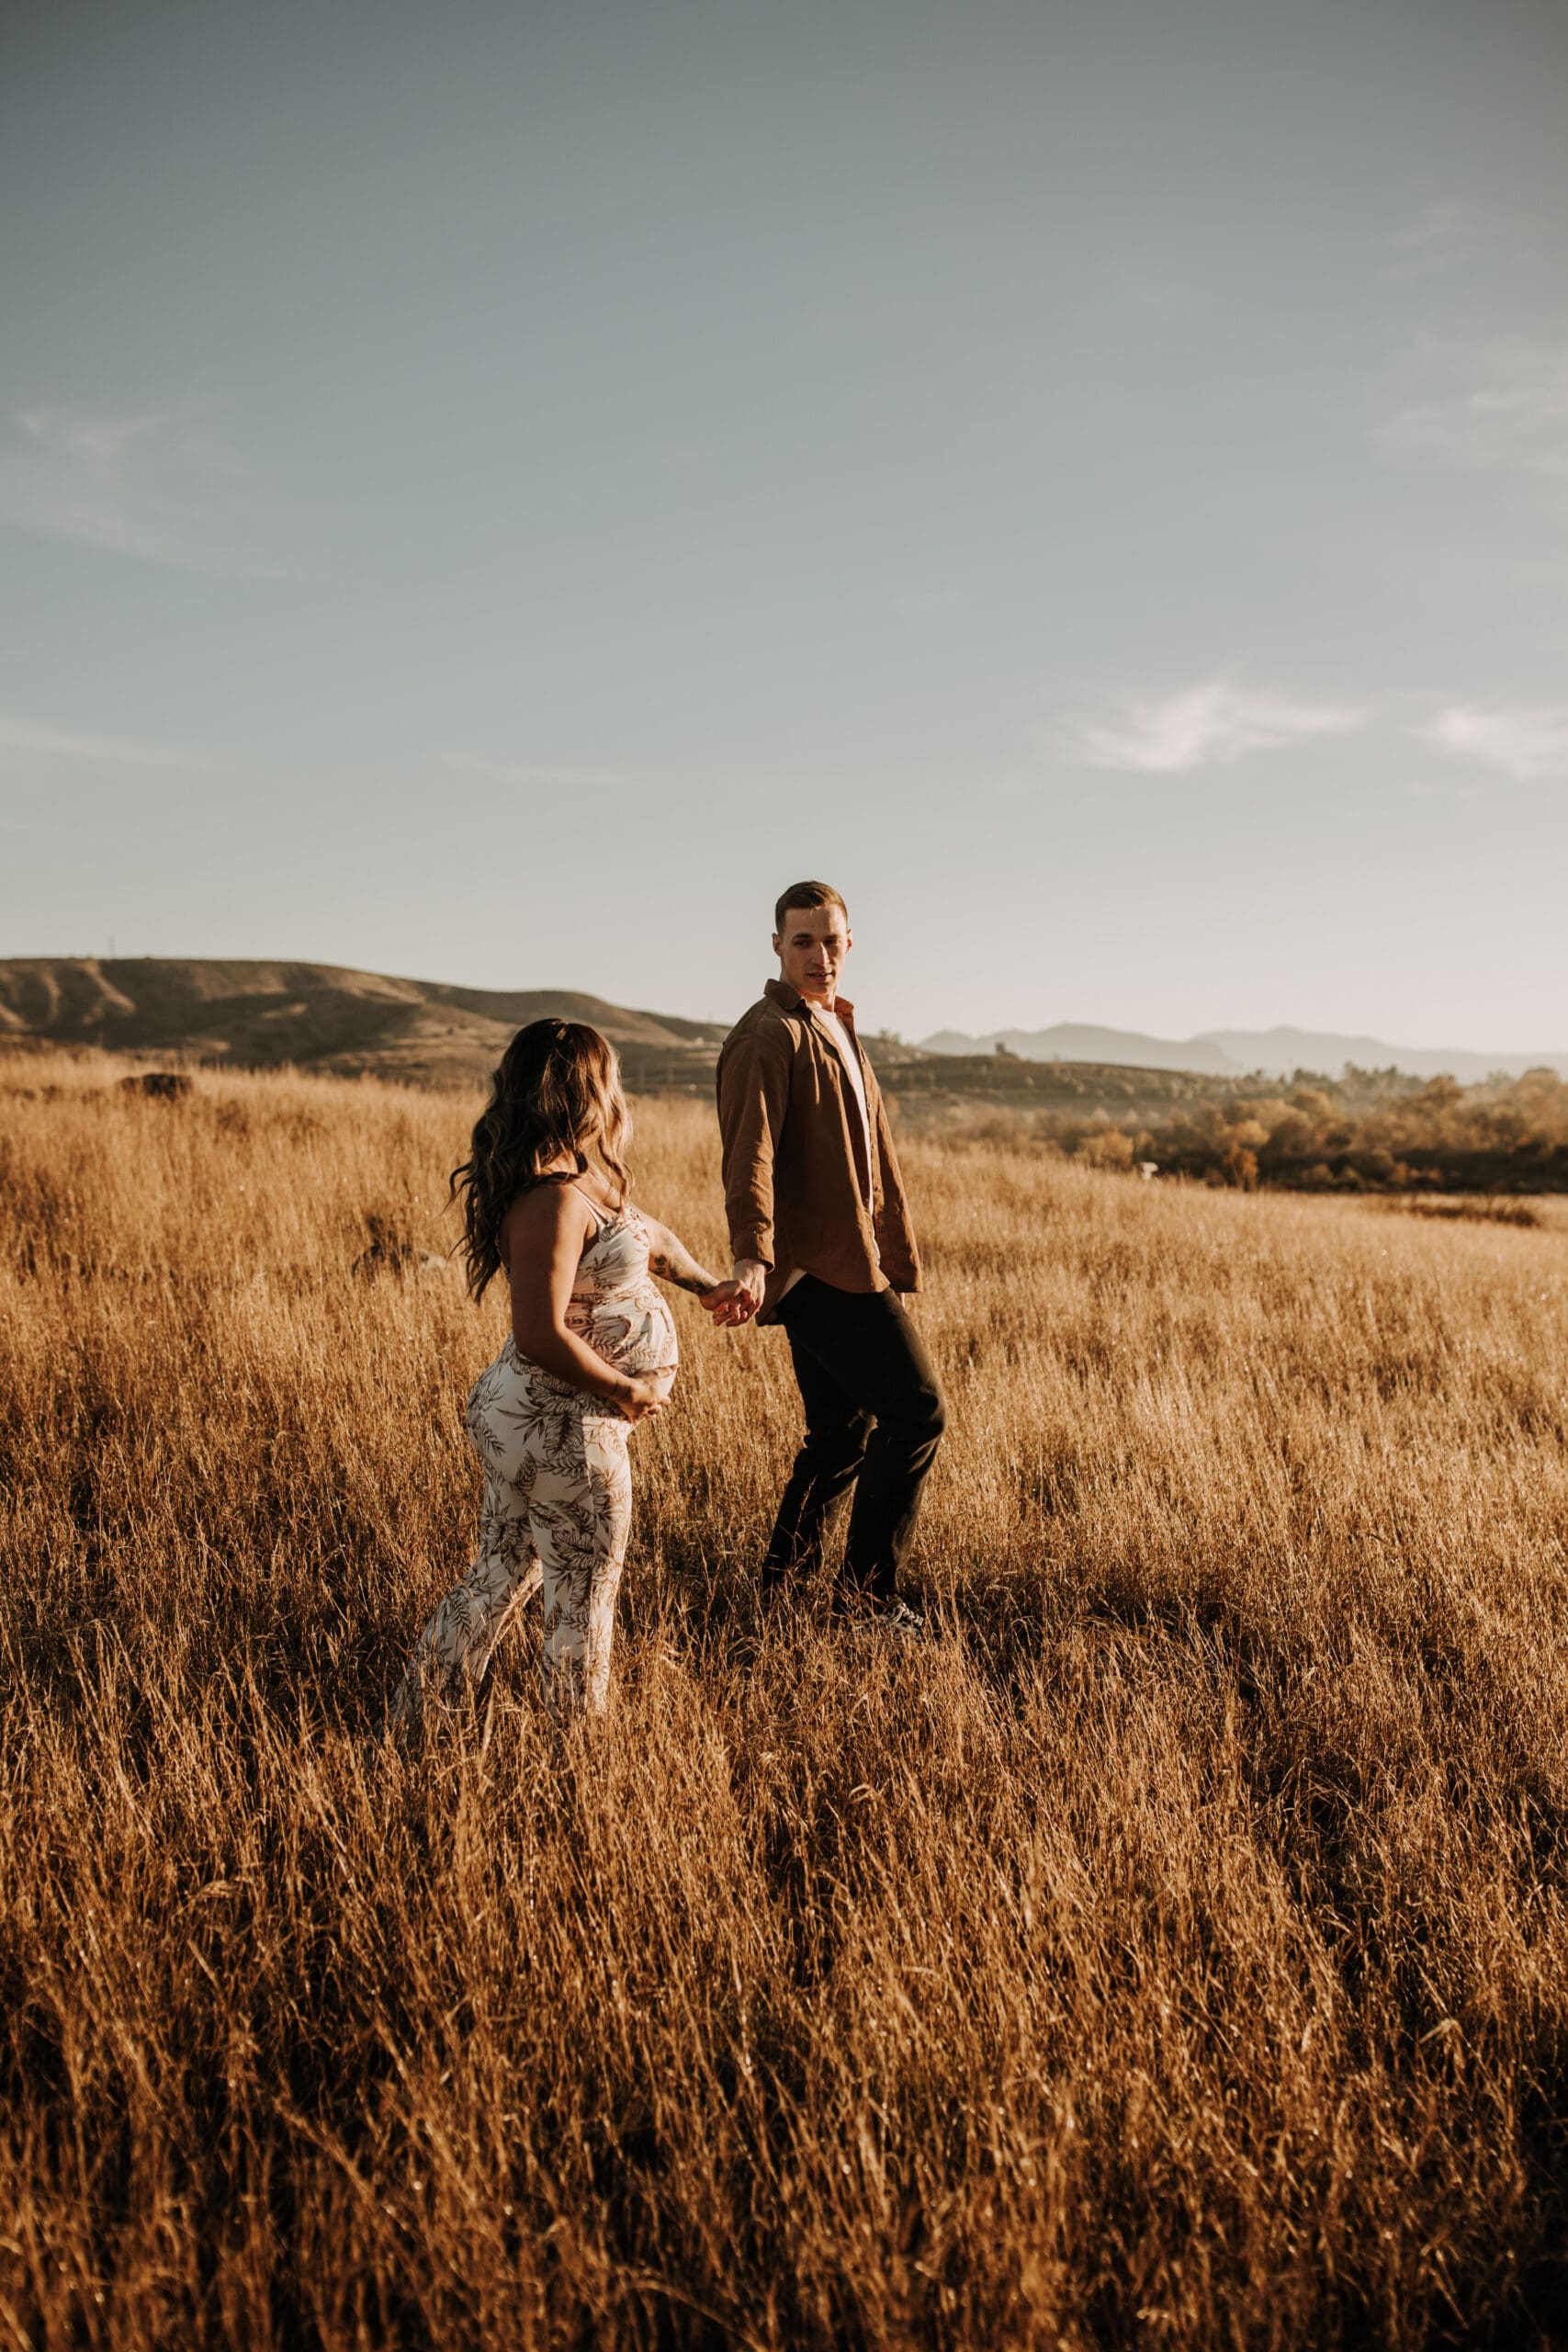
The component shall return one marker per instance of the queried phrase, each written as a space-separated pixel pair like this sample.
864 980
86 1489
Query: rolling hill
426 1032
327 1017
322 1016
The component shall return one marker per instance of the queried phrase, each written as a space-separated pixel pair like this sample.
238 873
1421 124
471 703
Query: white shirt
845 1044
851 1059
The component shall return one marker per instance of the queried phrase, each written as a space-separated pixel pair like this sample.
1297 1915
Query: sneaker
896 1617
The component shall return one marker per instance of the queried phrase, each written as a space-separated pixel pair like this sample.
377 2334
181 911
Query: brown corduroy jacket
794 1174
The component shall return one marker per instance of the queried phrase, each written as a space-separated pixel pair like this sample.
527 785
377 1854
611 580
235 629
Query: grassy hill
1367 1130
322 1016
330 1018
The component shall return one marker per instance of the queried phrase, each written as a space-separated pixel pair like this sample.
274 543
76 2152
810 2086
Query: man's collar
791 1000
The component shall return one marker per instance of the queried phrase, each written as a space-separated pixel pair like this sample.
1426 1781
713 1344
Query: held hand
751 1281
727 1304
641 1401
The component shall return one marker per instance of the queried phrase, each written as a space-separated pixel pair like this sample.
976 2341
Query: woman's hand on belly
644 1398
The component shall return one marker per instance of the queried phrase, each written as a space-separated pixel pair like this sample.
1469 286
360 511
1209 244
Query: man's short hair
808 894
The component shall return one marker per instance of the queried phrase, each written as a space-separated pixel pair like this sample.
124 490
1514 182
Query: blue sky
491 493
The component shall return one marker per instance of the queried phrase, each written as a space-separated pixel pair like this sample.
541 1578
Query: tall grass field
1173 1953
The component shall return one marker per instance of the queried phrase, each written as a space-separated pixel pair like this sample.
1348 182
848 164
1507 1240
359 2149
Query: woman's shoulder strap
601 1217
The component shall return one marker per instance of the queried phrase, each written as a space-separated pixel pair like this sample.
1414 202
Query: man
822 1243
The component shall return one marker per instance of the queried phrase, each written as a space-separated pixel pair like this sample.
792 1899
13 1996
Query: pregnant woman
592 1350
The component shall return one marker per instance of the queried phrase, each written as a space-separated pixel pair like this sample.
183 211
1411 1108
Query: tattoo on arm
671 1260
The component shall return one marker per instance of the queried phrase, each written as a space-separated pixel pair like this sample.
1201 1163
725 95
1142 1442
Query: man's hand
750 1281
727 1304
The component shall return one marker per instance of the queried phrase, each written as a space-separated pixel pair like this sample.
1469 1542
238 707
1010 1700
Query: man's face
812 948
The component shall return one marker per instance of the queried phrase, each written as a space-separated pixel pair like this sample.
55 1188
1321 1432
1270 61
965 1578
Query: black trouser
871 1398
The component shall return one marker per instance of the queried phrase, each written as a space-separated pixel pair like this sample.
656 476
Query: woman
592 1351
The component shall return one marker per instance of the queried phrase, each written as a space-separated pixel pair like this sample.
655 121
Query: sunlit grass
1174 1953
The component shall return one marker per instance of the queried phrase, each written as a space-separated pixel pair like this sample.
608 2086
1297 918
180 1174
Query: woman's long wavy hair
558 1090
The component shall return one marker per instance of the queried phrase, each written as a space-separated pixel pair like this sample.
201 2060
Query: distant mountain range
1236 1053
329 1017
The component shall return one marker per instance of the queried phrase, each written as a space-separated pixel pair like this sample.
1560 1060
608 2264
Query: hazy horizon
1226 1036
493 496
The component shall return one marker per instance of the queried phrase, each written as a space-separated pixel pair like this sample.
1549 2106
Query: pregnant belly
637 1335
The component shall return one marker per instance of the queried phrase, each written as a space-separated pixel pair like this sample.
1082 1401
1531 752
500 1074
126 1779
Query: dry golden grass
1174 1953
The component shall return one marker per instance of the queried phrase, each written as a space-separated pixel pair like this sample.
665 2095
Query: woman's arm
670 1258
542 1237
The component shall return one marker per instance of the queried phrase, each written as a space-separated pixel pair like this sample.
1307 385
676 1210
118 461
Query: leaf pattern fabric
557 1493
618 1309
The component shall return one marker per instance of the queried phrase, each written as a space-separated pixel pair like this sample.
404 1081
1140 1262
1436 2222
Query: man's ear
778 943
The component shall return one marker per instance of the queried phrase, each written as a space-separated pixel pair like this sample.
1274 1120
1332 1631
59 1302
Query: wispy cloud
1513 417
1440 236
23 742
504 772
153 484
1208 726
1527 743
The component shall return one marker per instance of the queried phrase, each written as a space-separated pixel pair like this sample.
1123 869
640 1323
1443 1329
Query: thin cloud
1209 726
23 739
1440 236
1526 743
1516 421
502 772
148 484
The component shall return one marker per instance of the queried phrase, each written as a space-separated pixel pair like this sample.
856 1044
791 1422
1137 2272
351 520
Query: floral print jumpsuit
558 1490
